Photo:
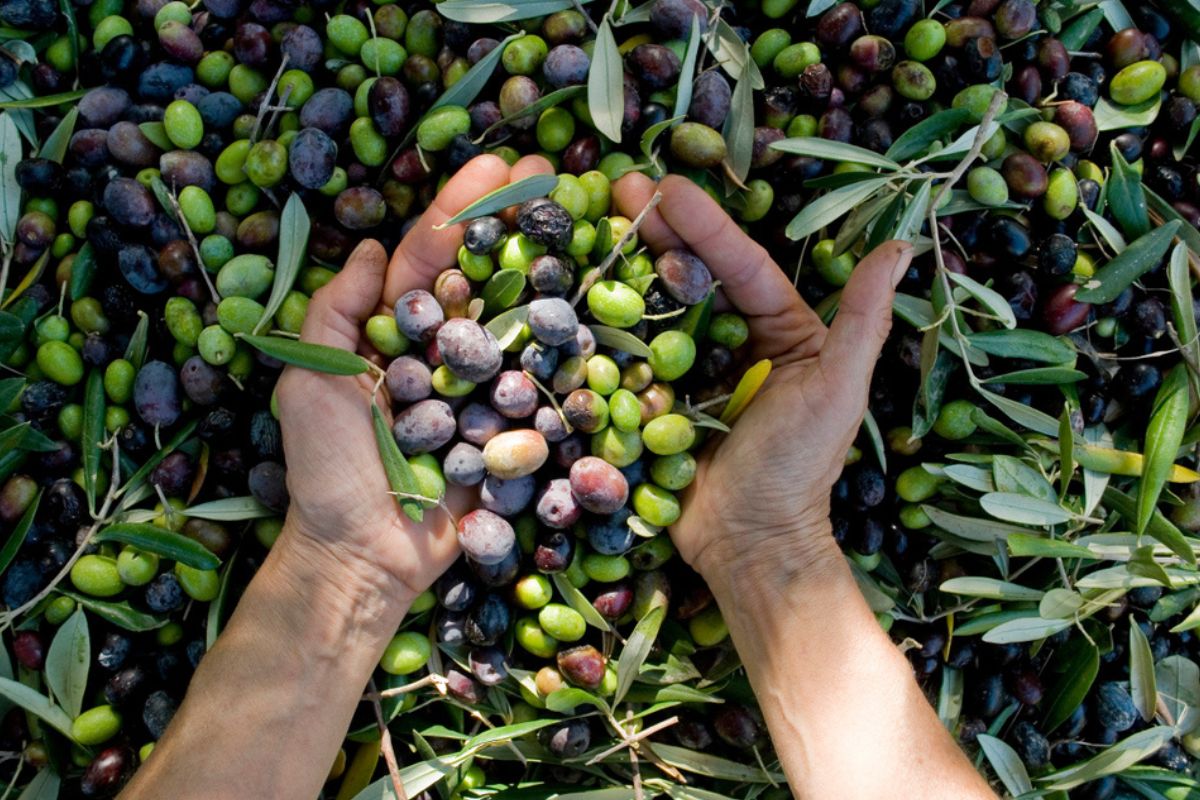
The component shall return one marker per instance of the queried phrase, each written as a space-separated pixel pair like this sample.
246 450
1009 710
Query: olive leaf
83 270
830 150
512 194
915 213
567 699
549 100
1187 232
714 766
483 13
991 589
989 298
1075 35
749 385
972 528
464 90
1158 526
920 137
1025 629
416 778
575 599
507 326
1014 475
45 101
1178 682
1114 759
728 49
229 509
1141 672
1116 15
10 190
1026 545
1037 376
21 117
139 475
621 340
1023 510
637 647
315 357
161 542
650 136
44 786
400 477
67 663
216 609
1024 344
156 132
606 84
17 537
294 226
135 351
1074 667
31 277
92 434
1026 416
1125 197
502 290
37 704
687 73
832 206
972 477
1180 280
936 366
1105 229
738 131
55 146
1181 148
1110 116
1006 764
821 6
876 438
1174 603
1164 434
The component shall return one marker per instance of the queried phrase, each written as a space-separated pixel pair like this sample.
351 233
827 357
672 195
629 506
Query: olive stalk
187 229
385 744
590 279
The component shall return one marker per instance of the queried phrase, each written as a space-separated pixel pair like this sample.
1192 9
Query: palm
772 474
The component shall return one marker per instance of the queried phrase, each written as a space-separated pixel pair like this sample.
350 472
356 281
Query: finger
863 320
751 279
338 310
631 194
425 252
526 167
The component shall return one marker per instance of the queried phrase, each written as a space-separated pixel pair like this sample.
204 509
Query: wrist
804 551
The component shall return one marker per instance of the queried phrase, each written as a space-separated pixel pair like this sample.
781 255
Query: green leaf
153 461
621 340
464 90
120 614
44 786
1187 232
1023 510
606 84
55 146
1074 669
728 50
229 509
416 778
991 588
17 537
928 402
920 137
1076 34
316 357
1116 758
1060 604
637 647
990 299
1006 764
876 437
1164 434
1013 475
135 351
83 269
1024 344
1158 527
1178 681
1026 416
1027 629
972 528
650 136
714 766
1172 604
216 609
45 101
738 130
483 13
687 73
976 478
1066 438
37 704
93 434
548 100
506 327
10 190
1125 197
293 240
567 699
830 150
1110 116
828 208
22 118
162 542
1115 13
67 663
1180 279
513 194
399 473
10 390
506 733
156 132
575 599
1141 673
915 213
502 290
1107 231
1038 376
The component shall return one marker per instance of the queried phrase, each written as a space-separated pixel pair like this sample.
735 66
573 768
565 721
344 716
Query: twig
579 7
590 279
629 741
187 229
16 777
266 101
428 680
385 746
553 400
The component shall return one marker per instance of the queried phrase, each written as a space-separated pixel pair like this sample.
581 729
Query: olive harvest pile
1020 510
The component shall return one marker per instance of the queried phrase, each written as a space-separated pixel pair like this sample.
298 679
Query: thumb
338 309
863 321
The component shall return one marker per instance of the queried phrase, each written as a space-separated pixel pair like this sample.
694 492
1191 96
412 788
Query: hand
768 482
339 493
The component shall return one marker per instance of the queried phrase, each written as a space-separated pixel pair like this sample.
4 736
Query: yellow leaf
746 389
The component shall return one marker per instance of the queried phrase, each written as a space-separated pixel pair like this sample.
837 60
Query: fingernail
903 259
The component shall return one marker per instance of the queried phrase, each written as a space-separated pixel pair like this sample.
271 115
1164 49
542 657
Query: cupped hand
339 493
763 490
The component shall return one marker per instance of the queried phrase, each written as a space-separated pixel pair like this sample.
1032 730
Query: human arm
846 717
270 704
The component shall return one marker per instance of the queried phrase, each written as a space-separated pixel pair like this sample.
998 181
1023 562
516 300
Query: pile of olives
162 150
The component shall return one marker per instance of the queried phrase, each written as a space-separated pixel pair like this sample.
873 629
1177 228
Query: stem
187 229
266 101
385 746
590 279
